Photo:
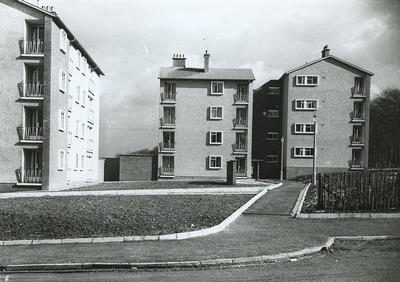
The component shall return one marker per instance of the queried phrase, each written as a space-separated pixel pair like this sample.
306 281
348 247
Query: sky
131 39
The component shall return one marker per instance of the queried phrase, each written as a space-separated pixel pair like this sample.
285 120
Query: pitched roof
74 41
213 73
328 57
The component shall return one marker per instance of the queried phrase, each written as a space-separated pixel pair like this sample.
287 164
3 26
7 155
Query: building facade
338 94
49 107
205 120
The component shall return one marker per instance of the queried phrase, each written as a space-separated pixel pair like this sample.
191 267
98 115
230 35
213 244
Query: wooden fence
371 190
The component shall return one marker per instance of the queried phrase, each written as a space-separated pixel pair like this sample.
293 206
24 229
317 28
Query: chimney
325 51
178 60
206 62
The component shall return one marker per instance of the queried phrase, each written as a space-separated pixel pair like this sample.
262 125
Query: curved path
265 228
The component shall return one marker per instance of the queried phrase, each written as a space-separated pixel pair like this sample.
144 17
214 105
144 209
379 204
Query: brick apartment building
49 107
338 92
205 120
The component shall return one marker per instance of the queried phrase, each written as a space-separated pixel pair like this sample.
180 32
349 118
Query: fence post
319 191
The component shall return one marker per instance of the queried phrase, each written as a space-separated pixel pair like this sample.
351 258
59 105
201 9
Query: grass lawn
159 185
100 216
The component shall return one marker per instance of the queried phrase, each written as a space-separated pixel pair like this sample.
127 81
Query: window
302 104
217 88
359 85
82 164
307 80
78 64
274 90
83 130
61 159
77 129
63 41
61 120
84 69
83 98
215 162
272 158
303 152
78 94
273 113
272 135
242 89
71 66
215 137
76 161
304 128
215 112
63 81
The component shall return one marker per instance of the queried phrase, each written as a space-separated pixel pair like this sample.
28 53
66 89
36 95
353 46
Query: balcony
241 98
241 172
90 117
29 177
358 92
166 172
168 97
240 148
167 147
167 122
32 90
357 117
356 164
32 47
356 141
240 123
30 134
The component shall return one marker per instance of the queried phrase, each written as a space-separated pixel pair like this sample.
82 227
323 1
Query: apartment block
205 120
338 94
50 101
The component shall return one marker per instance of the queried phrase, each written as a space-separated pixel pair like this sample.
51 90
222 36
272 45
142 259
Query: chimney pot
325 51
206 61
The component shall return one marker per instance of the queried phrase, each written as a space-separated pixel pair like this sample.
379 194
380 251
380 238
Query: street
350 261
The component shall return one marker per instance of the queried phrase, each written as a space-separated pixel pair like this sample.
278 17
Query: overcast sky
130 40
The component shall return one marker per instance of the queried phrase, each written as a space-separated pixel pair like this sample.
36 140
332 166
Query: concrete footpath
266 228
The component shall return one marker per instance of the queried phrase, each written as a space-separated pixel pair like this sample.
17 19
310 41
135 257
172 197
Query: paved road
353 261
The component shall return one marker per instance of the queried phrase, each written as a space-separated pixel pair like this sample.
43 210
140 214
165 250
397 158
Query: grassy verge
99 216
159 185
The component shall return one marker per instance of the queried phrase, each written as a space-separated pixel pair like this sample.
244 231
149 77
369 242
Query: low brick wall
137 167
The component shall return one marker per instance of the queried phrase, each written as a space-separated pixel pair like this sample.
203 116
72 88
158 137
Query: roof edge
324 58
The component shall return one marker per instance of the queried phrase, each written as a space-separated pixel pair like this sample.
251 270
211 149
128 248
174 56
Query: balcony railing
91 86
167 146
34 47
167 121
358 92
356 164
356 140
166 171
33 89
29 176
240 123
30 133
239 148
357 116
241 98
241 172
168 97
